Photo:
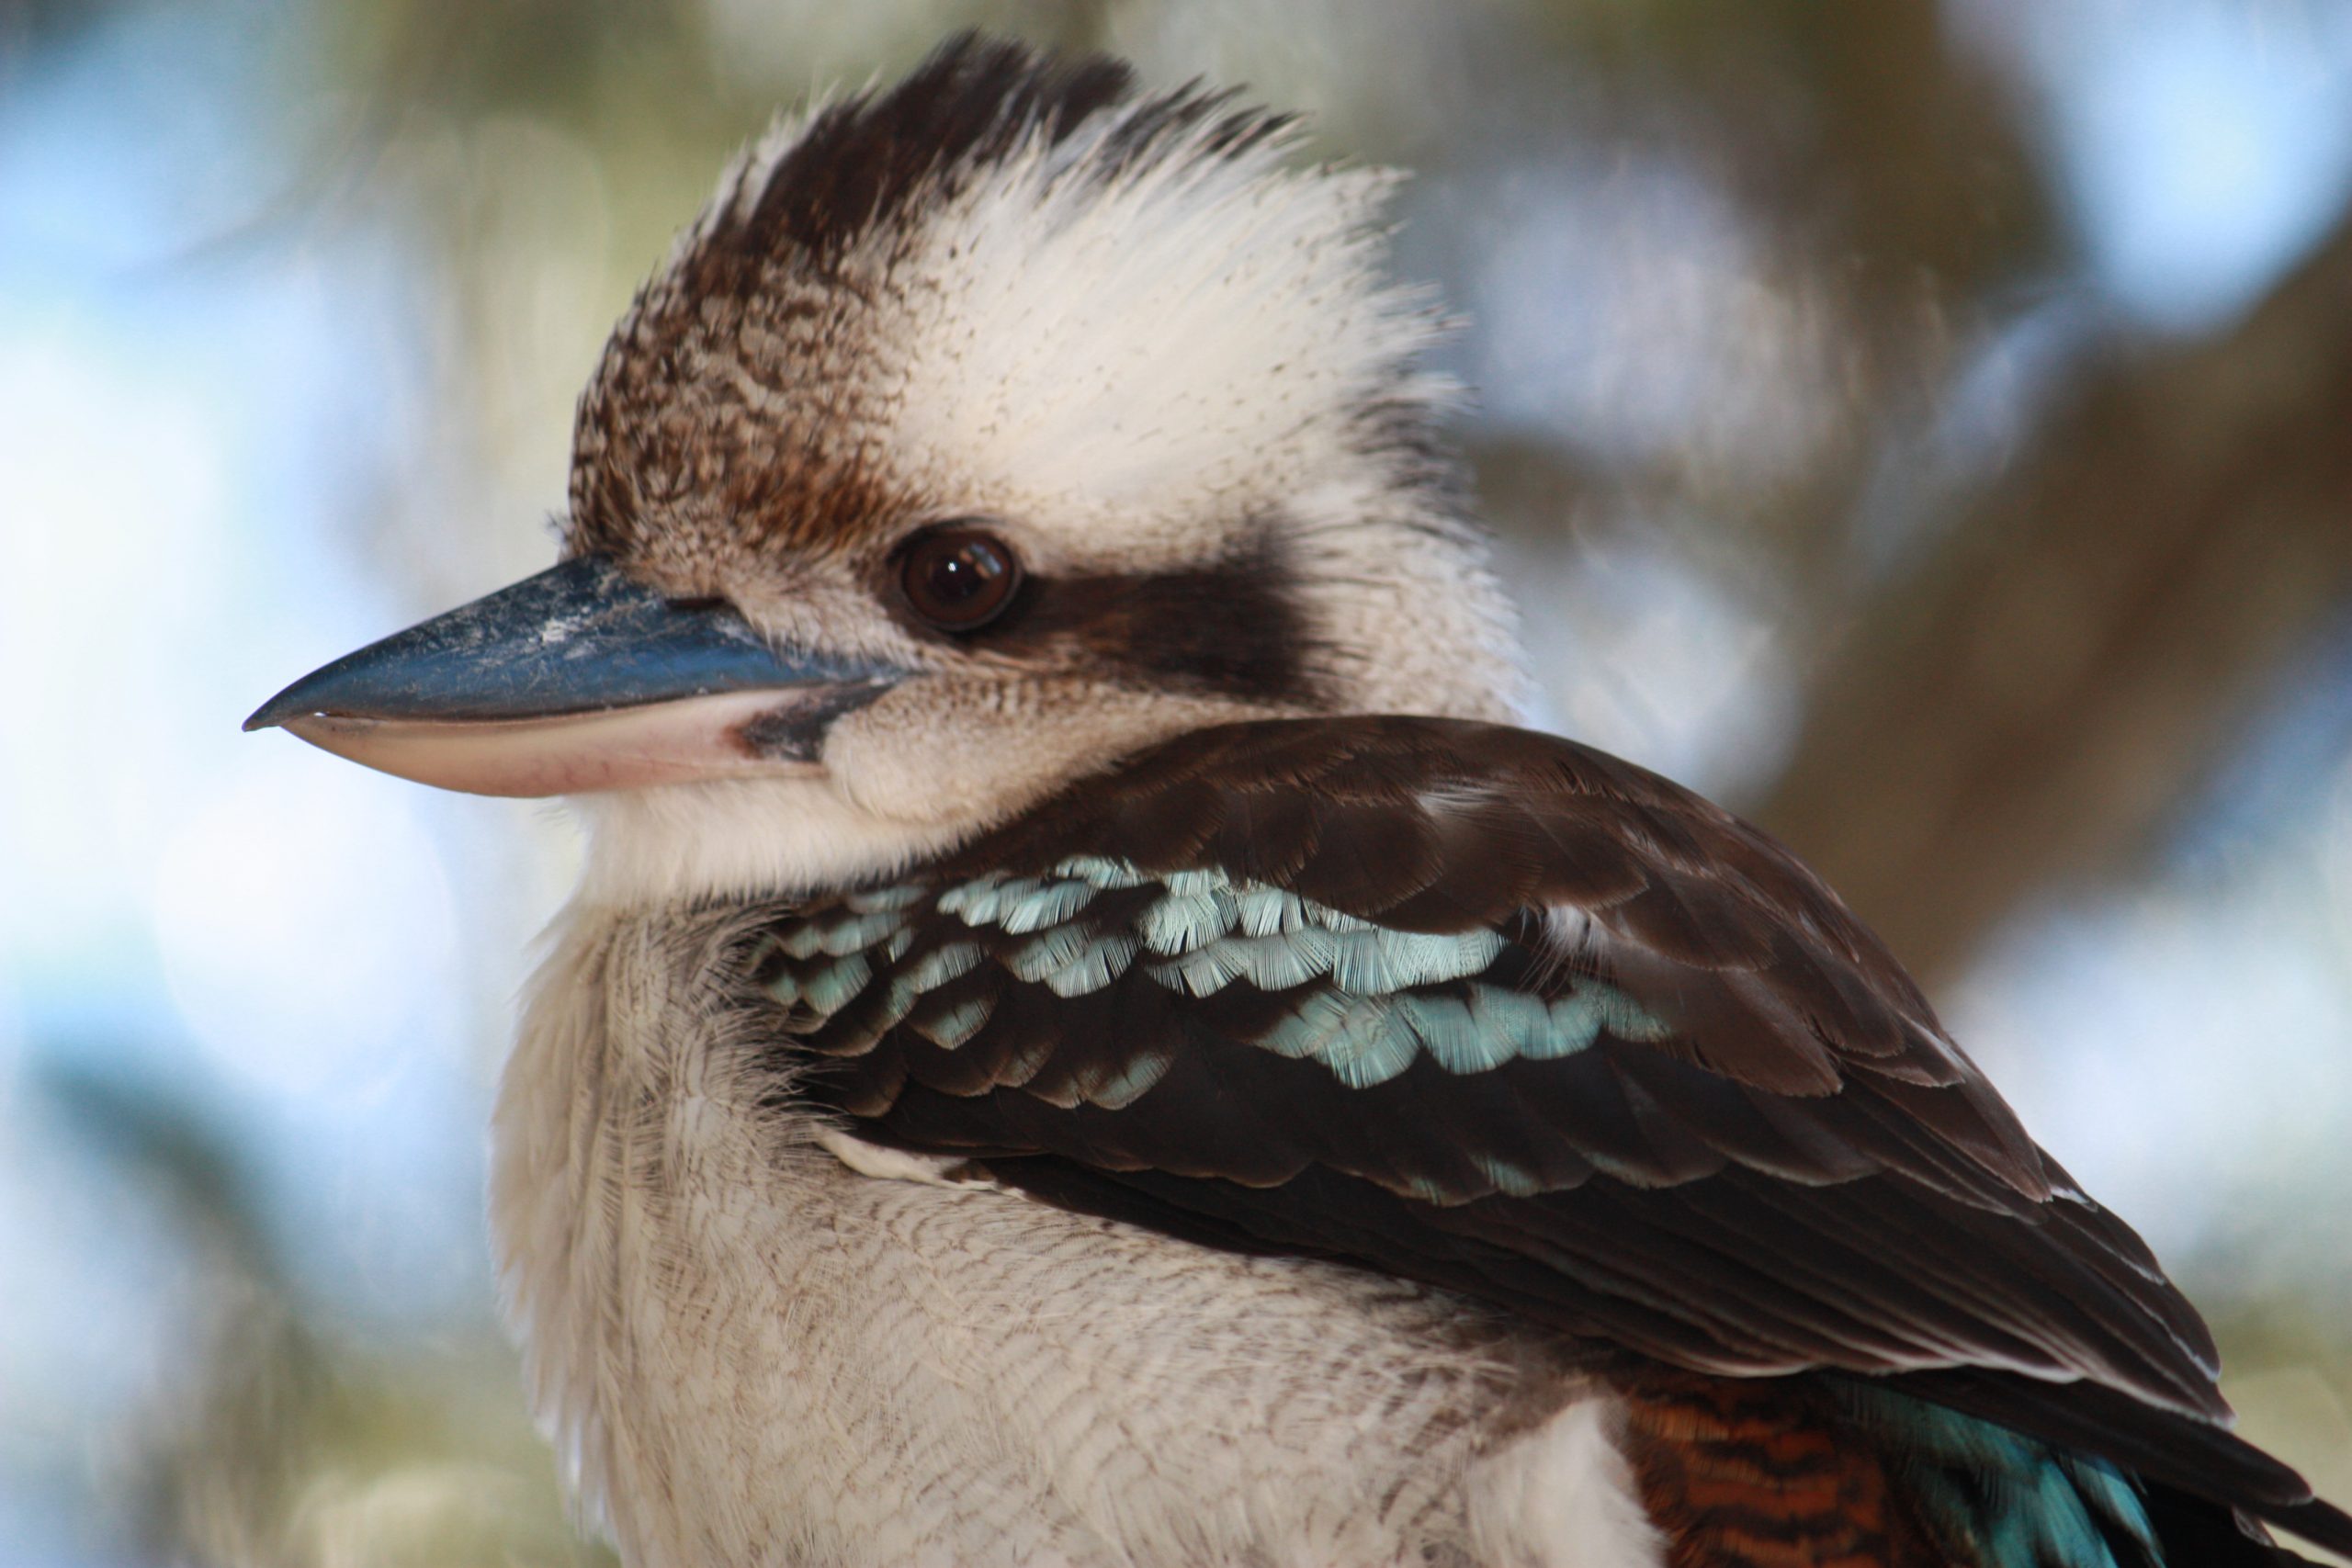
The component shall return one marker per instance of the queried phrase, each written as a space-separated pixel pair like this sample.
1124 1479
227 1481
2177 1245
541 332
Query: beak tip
273 714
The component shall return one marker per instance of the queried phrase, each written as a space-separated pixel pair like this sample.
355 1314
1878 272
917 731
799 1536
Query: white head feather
1130 329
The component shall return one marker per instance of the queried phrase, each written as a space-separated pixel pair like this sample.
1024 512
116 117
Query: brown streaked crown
733 405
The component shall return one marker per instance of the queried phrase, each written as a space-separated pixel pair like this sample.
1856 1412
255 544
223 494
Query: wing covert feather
1496 1011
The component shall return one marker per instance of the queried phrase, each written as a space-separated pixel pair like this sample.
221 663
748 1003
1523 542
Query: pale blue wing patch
979 901
1449 1032
1363 1039
952 1027
1047 905
1194 911
856 933
926 975
1378 960
823 988
1278 962
1203 972
1364 960
826 991
1374 1044
1506 1024
941 964
1569 1023
1625 1018
1096 872
1201 932
1044 954
1310 1029
1271 911
1101 961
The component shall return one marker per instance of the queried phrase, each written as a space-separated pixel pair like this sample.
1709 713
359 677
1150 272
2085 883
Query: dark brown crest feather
861 161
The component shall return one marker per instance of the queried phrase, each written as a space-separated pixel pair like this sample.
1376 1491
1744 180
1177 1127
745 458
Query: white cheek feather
742 837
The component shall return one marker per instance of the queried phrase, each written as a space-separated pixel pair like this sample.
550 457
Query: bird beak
578 678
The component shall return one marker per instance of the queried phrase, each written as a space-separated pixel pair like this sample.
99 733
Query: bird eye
959 578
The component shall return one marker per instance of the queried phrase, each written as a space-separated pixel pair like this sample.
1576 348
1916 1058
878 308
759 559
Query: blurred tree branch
2031 702
1895 168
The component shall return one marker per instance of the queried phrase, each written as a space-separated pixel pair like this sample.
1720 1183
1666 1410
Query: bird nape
1087 1036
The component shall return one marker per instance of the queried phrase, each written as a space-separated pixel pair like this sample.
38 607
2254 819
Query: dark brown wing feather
1798 1172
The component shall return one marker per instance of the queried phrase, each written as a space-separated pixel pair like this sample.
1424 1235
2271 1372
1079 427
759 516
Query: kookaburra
1087 1036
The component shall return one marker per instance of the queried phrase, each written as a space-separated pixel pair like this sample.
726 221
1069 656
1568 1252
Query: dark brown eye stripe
1229 627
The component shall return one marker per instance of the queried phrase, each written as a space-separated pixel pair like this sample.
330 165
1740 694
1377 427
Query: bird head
980 431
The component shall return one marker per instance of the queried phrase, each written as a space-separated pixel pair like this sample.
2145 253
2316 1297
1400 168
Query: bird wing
1495 1011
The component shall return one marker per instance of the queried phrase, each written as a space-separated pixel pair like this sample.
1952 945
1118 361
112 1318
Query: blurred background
1926 427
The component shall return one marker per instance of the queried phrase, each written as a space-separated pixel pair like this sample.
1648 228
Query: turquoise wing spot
1570 1023
1270 912
828 990
1363 1039
1048 906
1373 1045
1103 960
1188 917
959 899
1304 1033
837 935
1097 872
1448 1029
899 1000
1044 954
1271 964
1201 933
1360 963
1375 961
957 1024
1625 1018
983 901
855 933
941 964
2106 1489
874 900
1200 974
1506 1025
927 973
1278 962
